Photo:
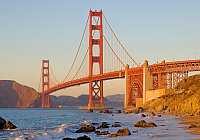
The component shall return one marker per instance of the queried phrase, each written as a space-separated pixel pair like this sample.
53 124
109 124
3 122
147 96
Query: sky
153 30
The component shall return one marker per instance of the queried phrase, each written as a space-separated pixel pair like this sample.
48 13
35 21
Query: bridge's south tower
45 83
95 87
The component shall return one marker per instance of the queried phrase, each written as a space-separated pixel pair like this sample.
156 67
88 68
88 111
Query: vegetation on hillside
183 100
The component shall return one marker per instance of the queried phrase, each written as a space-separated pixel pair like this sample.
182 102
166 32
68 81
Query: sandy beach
193 124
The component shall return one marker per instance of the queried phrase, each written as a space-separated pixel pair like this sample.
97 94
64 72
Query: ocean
55 124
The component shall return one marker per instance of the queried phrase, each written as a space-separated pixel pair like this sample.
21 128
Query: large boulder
83 138
113 135
89 110
103 125
86 128
144 124
151 114
6 125
116 125
123 132
79 138
2 123
9 125
138 110
118 111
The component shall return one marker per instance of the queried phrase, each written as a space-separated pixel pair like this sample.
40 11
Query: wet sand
193 124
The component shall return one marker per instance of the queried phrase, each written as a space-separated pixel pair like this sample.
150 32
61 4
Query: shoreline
192 124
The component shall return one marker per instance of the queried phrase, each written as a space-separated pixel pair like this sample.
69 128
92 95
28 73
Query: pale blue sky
31 30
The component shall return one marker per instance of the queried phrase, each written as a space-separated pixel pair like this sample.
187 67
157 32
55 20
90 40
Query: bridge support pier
147 80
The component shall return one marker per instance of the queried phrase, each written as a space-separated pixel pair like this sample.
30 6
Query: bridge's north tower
95 87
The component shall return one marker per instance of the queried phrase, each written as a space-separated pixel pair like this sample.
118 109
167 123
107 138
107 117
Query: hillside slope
82 100
185 99
13 94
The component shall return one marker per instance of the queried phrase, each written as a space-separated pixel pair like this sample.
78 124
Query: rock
89 110
83 138
151 114
159 115
113 135
86 128
116 125
2 123
103 125
103 133
95 123
135 131
79 138
123 132
138 110
143 115
118 111
68 139
107 111
192 126
144 124
9 125
97 131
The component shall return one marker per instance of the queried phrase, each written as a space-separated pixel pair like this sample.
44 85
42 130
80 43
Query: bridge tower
95 87
45 83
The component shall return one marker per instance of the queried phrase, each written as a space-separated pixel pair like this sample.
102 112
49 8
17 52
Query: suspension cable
119 41
53 74
77 51
111 47
40 81
81 63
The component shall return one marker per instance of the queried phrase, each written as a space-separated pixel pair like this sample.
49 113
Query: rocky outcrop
183 100
144 124
116 125
106 111
120 132
151 114
79 138
6 125
123 132
89 110
103 125
118 111
13 94
86 128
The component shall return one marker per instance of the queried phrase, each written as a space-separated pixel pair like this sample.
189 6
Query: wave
57 133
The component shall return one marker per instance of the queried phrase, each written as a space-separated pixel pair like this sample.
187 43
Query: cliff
183 100
13 94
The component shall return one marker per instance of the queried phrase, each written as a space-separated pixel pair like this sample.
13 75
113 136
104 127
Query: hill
183 100
13 94
82 100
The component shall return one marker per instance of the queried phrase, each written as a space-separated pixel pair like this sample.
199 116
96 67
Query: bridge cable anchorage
119 41
77 51
111 48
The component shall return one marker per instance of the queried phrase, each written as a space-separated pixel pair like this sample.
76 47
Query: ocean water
55 124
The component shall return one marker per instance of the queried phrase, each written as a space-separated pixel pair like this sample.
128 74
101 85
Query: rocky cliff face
13 94
185 99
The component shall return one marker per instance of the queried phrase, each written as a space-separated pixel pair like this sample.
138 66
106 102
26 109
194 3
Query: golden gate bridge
105 58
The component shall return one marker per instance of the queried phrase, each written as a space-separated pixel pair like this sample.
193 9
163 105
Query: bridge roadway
178 66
